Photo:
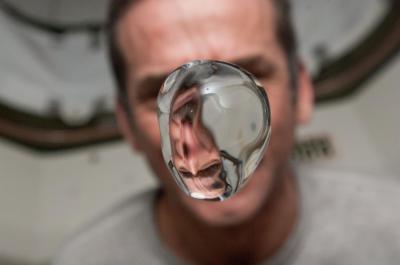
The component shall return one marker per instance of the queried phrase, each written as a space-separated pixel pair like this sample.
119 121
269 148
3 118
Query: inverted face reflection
194 152
214 124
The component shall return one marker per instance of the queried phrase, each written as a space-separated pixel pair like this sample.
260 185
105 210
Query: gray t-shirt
347 218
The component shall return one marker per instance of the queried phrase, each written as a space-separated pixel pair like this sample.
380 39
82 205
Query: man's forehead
153 12
157 30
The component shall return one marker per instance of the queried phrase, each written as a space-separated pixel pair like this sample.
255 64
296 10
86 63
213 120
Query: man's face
157 36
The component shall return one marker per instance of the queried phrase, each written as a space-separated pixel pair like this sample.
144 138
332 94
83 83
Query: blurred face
156 36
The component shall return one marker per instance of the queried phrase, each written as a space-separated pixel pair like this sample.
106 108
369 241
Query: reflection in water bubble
215 124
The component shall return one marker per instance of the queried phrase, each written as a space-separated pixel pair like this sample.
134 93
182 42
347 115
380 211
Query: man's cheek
148 128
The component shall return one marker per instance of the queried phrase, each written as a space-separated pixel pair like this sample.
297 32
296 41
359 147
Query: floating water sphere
215 125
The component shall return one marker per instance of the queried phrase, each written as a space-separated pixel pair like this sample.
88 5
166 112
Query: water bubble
214 121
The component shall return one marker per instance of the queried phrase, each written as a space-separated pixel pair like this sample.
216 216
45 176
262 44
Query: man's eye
151 104
148 92
261 75
153 94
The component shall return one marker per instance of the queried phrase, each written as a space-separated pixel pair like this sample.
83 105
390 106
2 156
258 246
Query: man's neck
251 242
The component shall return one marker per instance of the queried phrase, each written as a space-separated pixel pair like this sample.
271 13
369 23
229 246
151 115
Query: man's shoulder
346 190
119 233
352 218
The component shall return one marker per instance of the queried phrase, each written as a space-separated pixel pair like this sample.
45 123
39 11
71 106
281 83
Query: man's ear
125 124
305 95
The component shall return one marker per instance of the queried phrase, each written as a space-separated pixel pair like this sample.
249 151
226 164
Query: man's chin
238 209
233 211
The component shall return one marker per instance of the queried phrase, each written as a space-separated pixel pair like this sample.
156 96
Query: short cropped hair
284 30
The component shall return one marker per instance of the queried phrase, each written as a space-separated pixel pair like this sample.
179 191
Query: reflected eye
210 171
185 174
188 111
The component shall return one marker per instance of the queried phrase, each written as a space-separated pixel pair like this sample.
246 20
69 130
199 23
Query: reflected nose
196 154
191 148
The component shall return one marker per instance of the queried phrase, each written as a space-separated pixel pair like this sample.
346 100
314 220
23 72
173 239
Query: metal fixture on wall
334 78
